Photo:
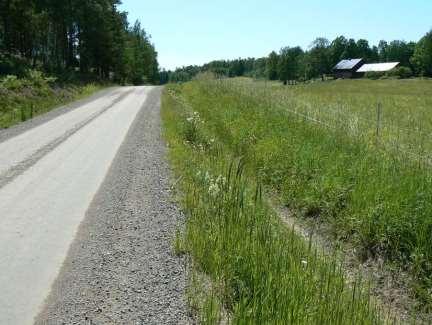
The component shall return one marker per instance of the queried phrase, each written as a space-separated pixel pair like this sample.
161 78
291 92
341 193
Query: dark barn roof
349 64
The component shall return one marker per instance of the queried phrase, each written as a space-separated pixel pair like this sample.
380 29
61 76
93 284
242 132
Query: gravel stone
121 268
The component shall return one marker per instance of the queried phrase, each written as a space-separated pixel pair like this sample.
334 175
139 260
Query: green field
318 148
404 107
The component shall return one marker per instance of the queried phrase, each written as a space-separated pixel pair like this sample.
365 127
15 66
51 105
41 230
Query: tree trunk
6 16
71 37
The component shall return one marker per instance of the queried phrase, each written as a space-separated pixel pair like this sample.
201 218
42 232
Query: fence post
378 122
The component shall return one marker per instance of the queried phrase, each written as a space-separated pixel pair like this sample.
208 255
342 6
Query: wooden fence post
378 122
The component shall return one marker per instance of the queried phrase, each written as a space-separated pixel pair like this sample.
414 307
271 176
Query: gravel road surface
86 218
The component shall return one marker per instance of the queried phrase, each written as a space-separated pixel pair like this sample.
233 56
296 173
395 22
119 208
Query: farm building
352 68
347 68
377 67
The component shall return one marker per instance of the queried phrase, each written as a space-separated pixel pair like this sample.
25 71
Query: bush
34 93
374 75
11 82
12 65
401 73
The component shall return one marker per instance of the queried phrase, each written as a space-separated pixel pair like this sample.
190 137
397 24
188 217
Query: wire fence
413 143
376 132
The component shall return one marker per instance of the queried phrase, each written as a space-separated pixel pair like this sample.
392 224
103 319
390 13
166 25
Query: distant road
51 173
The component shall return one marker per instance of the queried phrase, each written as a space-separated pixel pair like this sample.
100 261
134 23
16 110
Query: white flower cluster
195 118
215 184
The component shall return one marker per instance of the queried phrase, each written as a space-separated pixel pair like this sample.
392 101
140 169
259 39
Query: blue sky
198 31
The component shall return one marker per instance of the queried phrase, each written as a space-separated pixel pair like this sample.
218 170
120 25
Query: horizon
228 31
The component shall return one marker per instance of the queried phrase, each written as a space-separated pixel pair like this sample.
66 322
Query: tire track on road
41 210
10 174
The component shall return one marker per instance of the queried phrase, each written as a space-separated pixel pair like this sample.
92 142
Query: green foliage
11 82
319 56
272 66
422 58
289 63
351 50
251 67
365 51
398 51
34 79
140 58
261 272
374 75
24 98
60 37
12 65
401 73
337 49
292 63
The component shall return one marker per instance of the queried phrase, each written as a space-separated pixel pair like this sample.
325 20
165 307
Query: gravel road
87 218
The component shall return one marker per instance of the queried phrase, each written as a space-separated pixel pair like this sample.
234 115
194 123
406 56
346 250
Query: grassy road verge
261 271
23 99
375 199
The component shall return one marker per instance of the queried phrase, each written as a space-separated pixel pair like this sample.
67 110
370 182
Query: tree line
75 38
296 64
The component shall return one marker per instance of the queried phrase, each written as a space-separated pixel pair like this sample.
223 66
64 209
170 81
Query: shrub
401 73
11 82
34 93
12 65
374 75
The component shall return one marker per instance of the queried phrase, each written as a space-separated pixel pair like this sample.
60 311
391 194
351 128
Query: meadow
392 113
261 271
306 145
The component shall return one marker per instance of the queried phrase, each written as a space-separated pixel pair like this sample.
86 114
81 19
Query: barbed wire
385 145
349 116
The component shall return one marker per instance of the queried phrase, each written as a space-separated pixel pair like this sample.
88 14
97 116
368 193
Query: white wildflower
214 189
207 177
221 180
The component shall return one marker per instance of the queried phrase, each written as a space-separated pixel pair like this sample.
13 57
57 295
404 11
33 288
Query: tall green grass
262 272
377 200
404 123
